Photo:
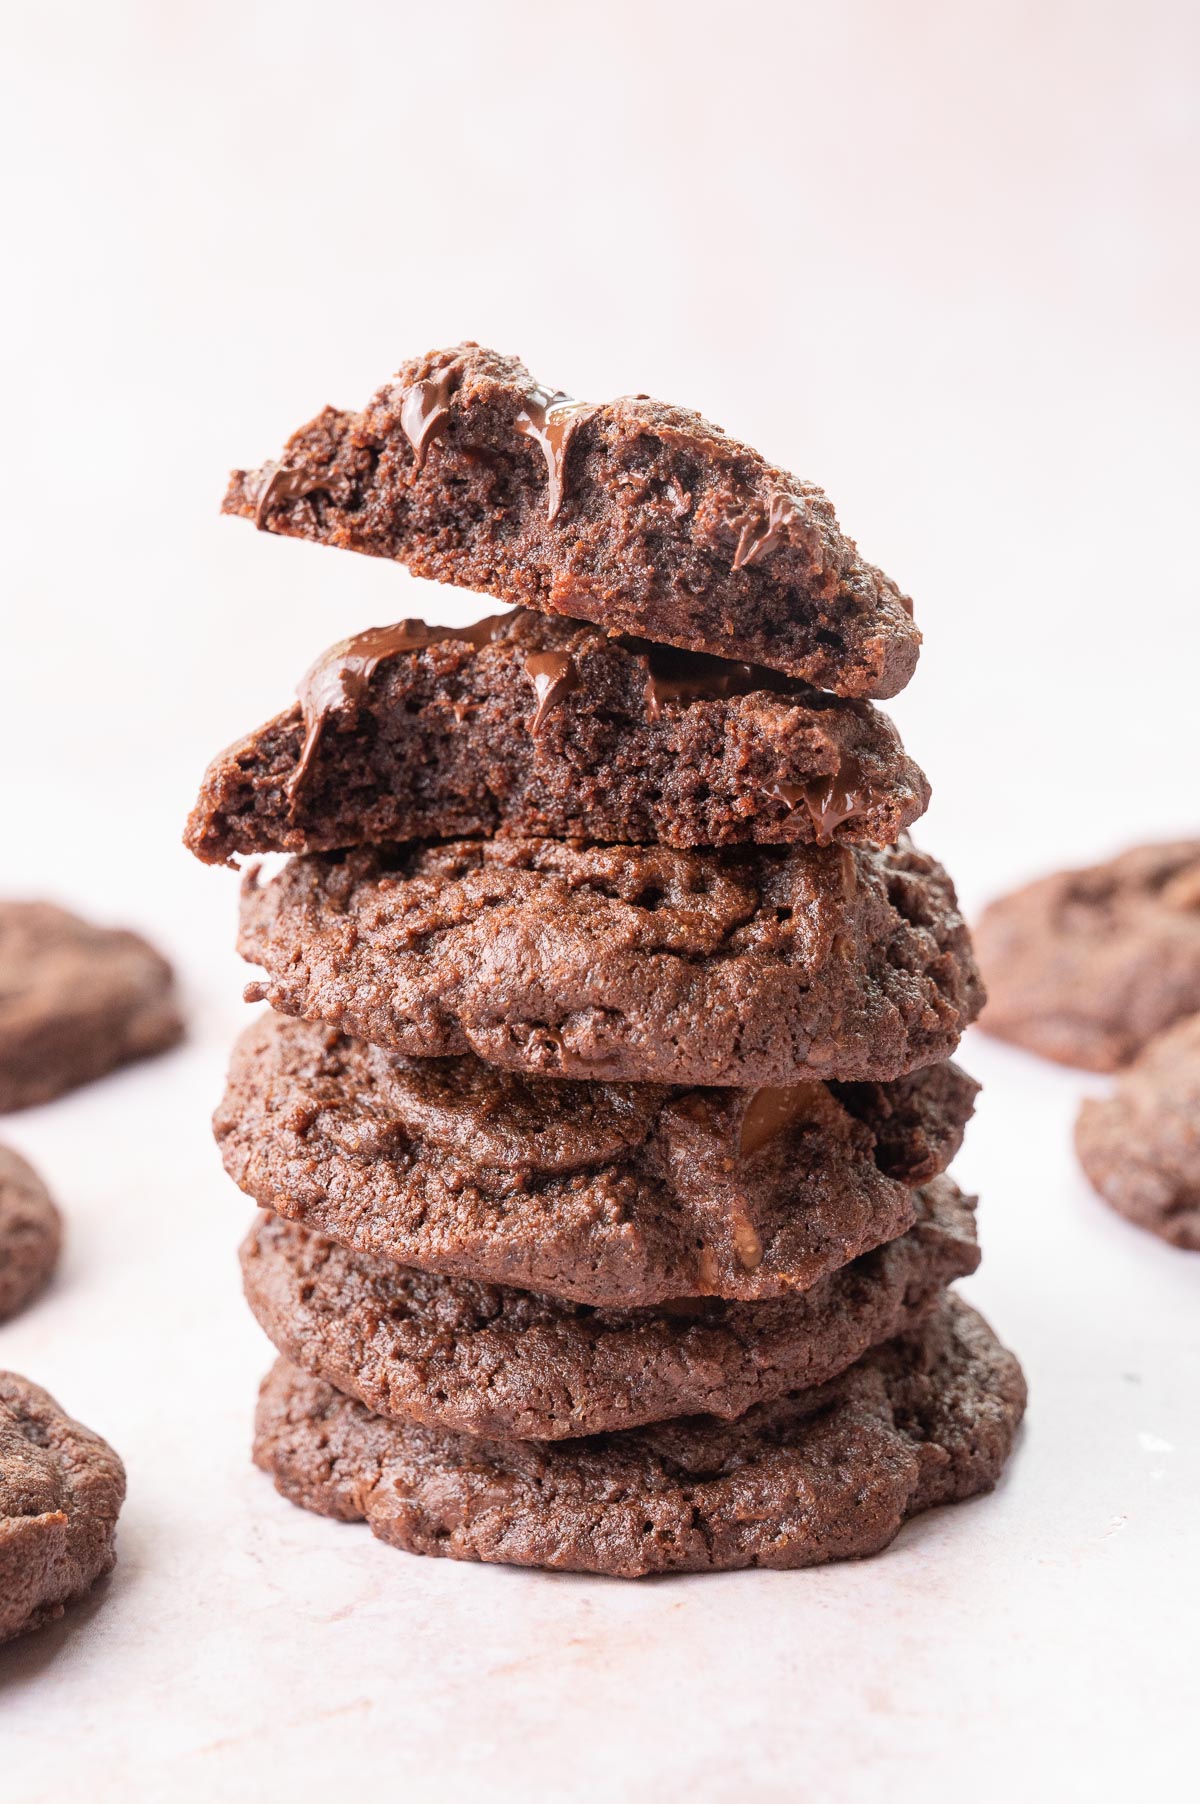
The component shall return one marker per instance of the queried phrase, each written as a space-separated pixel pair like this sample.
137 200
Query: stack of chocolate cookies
601 1117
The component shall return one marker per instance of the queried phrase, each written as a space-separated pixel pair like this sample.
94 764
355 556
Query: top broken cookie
634 515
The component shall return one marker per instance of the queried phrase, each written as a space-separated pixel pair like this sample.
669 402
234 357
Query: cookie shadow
23 1659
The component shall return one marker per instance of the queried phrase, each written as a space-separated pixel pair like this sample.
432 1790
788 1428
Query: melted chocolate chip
551 419
761 532
829 800
772 1111
553 675
282 483
425 408
338 680
832 800
690 676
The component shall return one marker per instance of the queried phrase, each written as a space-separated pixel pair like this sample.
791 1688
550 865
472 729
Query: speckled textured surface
826 1474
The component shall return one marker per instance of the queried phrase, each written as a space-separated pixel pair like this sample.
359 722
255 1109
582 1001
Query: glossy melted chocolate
282 483
425 408
692 676
337 682
551 419
553 675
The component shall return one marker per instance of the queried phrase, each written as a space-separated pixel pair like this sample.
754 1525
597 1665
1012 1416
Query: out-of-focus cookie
76 1001
1141 1146
30 1233
1086 966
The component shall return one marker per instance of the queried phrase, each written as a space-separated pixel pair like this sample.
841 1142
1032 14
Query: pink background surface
943 259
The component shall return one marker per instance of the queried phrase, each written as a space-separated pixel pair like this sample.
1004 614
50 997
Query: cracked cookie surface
619 1194
486 1359
753 965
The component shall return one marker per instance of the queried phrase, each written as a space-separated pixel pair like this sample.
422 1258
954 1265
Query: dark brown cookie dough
76 1001
1086 966
757 965
824 1474
30 1233
484 1359
544 727
614 1194
637 516
1141 1146
61 1489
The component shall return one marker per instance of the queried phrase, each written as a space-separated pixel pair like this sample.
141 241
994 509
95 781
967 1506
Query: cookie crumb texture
30 1233
546 728
827 1473
755 965
637 516
1086 966
76 1001
1141 1146
61 1490
486 1359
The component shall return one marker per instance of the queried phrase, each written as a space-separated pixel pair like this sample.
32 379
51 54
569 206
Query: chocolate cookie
756 965
823 1474
76 1001
1141 1145
614 1194
1086 966
30 1233
61 1489
637 516
484 1359
546 728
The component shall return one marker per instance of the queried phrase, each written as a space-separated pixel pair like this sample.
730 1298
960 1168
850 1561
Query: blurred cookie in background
76 1001
1087 966
1141 1146
30 1233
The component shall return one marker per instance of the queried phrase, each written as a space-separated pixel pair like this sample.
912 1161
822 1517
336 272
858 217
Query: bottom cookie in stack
482 1422
829 1472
